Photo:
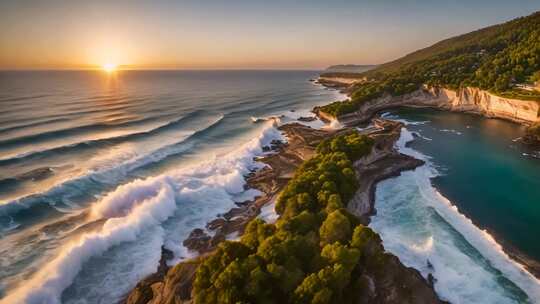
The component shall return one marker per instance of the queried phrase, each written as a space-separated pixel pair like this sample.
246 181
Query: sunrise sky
233 34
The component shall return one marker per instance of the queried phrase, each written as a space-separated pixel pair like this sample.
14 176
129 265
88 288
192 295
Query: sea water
99 171
478 190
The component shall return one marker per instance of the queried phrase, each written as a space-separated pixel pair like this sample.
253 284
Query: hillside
498 59
349 68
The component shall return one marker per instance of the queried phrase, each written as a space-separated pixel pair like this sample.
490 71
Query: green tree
336 228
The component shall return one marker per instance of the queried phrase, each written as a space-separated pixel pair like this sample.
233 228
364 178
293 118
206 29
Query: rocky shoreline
281 162
382 163
467 100
173 284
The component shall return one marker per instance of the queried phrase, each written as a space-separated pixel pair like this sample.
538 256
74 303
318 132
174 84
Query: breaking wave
427 232
9 211
137 207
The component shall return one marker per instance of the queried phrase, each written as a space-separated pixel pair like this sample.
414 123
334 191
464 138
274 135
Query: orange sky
231 34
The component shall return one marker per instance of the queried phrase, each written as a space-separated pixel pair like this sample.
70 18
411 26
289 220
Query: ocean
99 171
479 191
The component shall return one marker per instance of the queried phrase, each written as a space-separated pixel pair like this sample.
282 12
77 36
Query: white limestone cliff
470 100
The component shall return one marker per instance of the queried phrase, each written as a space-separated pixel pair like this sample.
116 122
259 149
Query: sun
109 67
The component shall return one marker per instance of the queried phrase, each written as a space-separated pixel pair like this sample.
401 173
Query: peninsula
322 181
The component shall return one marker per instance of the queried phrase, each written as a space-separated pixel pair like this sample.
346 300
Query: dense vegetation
314 253
342 75
495 59
349 68
533 132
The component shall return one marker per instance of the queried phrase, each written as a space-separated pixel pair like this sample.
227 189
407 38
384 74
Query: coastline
418 100
466 100
514 253
383 162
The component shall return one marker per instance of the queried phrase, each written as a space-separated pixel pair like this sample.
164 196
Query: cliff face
384 161
481 102
470 100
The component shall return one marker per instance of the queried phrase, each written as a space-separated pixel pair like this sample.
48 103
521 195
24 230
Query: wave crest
133 208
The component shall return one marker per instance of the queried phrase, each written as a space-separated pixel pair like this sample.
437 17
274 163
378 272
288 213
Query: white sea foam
108 173
422 136
266 118
170 205
47 284
423 228
268 212
451 131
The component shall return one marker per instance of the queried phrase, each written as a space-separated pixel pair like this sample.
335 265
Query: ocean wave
268 212
33 124
469 265
85 129
46 285
267 118
9 98
418 134
56 197
76 112
134 208
103 142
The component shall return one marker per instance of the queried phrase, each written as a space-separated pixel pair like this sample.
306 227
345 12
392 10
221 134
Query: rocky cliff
477 101
470 100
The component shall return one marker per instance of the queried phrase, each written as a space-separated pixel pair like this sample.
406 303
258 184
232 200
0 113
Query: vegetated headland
319 249
322 182
493 71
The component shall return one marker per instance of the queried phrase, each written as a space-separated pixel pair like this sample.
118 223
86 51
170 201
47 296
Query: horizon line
159 69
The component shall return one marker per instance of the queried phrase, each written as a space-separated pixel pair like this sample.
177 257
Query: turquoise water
98 171
441 218
485 173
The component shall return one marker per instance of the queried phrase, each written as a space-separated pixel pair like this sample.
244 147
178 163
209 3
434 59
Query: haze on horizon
193 34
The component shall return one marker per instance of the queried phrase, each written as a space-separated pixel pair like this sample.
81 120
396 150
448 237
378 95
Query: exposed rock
383 162
302 141
174 288
144 290
532 135
469 100
431 280
307 118
197 240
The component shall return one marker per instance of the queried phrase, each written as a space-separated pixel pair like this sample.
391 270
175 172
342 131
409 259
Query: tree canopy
316 250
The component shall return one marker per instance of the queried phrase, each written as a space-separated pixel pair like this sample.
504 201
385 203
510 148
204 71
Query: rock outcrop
532 135
270 180
383 162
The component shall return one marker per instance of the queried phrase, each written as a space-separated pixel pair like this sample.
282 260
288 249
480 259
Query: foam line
142 205
46 285
469 264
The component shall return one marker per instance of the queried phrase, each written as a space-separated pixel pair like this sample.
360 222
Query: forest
314 253
495 59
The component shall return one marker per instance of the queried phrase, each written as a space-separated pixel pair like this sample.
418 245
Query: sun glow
109 67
